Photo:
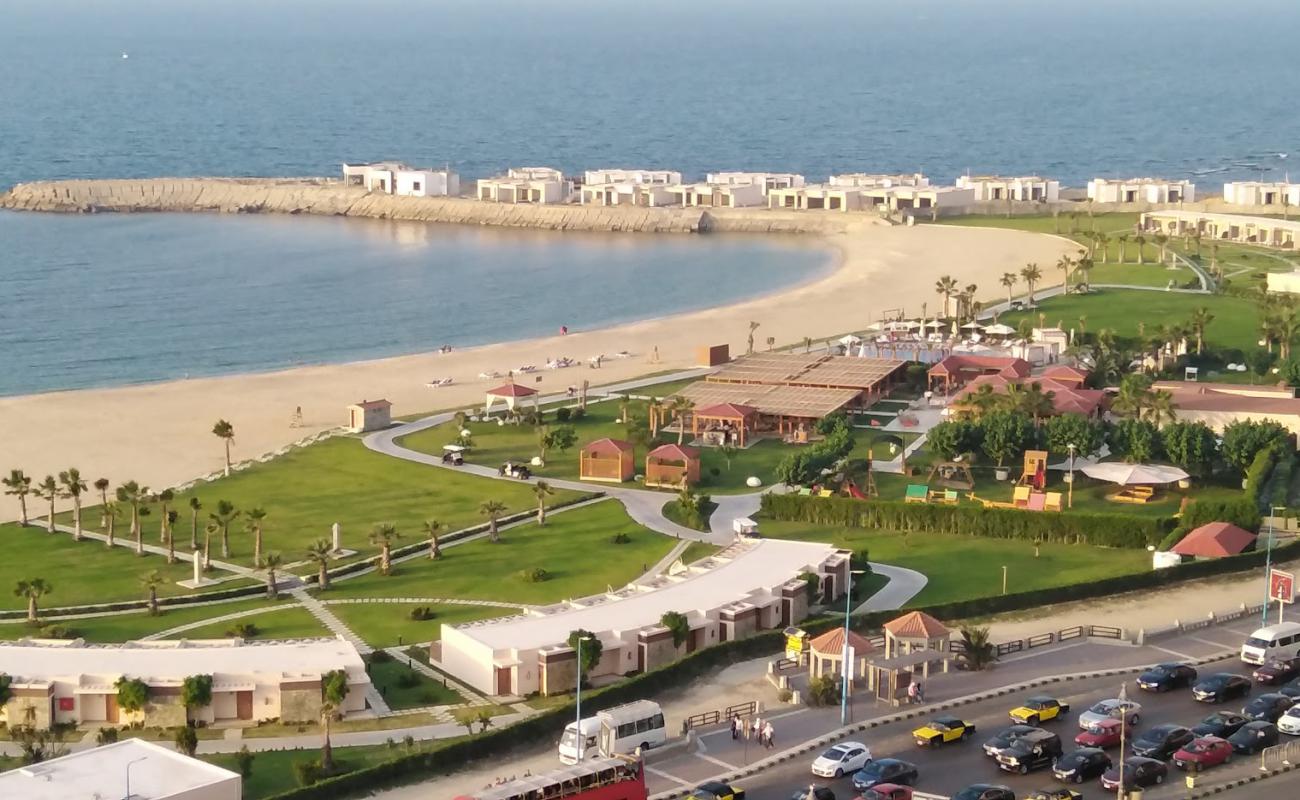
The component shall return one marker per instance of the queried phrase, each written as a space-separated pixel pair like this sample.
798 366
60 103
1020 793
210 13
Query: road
949 769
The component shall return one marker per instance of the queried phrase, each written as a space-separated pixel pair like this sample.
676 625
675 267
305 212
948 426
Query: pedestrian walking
911 693
769 736
758 729
920 692
735 728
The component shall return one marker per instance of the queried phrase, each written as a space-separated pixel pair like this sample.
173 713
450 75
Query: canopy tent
1214 540
1133 474
511 393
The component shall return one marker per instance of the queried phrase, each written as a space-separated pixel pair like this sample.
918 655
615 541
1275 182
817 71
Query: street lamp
1268 564
129 764
1069 497
582 738
846 665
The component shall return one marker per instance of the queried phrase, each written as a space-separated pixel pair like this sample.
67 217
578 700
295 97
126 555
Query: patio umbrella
1133 474
936 324
876 326
972 326
1000 330
849 340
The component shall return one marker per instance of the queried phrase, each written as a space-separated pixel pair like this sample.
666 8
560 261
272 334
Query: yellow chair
1053 502
825 493
1020 498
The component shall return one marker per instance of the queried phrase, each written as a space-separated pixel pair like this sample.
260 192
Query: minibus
1274 641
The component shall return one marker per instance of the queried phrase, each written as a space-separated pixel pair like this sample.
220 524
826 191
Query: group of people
757 729
915 694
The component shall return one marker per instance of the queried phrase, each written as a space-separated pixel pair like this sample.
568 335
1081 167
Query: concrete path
904 584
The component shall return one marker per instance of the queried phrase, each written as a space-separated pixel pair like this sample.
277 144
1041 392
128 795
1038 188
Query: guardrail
1279 755
705 718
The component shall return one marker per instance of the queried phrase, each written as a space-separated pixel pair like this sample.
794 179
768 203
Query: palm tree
749 344
327 711
212 527
1161 407
271 563
101 486
431 528
73 486
225 514
253 524
48 490
1009 280
319 553
654 410
1084 265
384 534
1288 327
945 287
1063 264
226 432
1103 241
492 509
110 526
1133 397
19 485
680 407
977 651
541 490
164 498
32 591
1141 241
171 516
984 399
195 508
1083 323
150 581
134 495
1201 318
1162 241
969 298
1031 275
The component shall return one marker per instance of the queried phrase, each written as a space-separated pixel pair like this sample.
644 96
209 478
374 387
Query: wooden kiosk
610 460
672 465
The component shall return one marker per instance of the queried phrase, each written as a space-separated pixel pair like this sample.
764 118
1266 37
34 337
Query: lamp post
130 764
1268 565
846 666
582 738
1004 578
1069 496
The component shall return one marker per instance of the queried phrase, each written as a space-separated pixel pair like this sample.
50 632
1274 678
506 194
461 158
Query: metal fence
705 718
1280 755
1044 639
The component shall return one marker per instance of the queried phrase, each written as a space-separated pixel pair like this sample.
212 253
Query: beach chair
917 493
1037 502
826 493
1053 502
950 497
1020 498
804 491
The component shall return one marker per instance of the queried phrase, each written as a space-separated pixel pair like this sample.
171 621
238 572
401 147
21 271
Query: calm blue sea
1070 88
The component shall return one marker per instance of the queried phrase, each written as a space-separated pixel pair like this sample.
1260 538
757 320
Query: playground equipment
920 493
1025 499
1035 473
952 475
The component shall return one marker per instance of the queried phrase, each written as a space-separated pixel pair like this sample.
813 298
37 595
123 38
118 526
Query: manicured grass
964 567
404 687
134 625
575 548
82 572
1134 274
273 770
390 624
287 623
697 550
673 511
339 480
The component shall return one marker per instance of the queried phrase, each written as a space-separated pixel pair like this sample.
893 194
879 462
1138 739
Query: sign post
1281 587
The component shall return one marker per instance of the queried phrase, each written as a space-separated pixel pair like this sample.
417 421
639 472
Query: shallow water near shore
115 299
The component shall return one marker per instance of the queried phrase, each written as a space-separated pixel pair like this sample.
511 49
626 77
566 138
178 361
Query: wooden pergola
672 465
606 459
733 417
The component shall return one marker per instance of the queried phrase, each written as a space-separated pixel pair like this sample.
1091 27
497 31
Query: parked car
1277 670
1005 737
888 791
1203 752
1253 737
1114 708
1162 741
1139 773
1030 752
1081 765
1289 723
985 791
1165 677
842 759
1221 723
1039 708
942 730
885 770
1103 733
1054 794
1221 686
717 790
1291 689
1268 706
813 793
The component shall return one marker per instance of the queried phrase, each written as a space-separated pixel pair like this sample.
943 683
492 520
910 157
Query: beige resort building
1141 190
526 185
1261 193
391 177
1026 188
1265 231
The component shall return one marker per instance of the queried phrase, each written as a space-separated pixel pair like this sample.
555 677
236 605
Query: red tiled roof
1007 366
607 447
368 404
674 452
1213 540
512 390
1192 398
832 643
1066 373
917 625
727 411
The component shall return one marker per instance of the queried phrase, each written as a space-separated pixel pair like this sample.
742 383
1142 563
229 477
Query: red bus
616 778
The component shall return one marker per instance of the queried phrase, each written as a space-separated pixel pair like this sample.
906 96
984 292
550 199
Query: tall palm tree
1141 242
319 553
1123 247
384 534
1162 241
48 489
749 344
1103 241
1063 264
110 523
1084 265
1133 397
195 508
431 529
164 500
101 486
32 591
225 514
492 509
1009 280
253 519
18 484
969 292
327 711
680 407
946 287
171 517
1288 327
542 490
271 564
224 431
1161 407
1031 274
1037 403
73 486
150 581
212 527
1200 320
654 408
133 495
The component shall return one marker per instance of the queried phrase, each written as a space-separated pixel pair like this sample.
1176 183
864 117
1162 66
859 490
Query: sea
137 88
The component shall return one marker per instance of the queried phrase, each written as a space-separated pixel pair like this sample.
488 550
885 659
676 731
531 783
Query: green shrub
419 614
621 538
534 575
1172 538
408 680
824 690
562 414
1240 511
383 656
811 583
243 630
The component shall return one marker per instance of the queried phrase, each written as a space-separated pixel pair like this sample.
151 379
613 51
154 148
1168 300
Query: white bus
1275 641
616 731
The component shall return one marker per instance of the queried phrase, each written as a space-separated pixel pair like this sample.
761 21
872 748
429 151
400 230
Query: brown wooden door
243 705
110 708
503 681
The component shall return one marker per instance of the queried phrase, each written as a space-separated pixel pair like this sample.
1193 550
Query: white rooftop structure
767 180
1024 188
156 773
863 180
1262 193
1141 190
637 176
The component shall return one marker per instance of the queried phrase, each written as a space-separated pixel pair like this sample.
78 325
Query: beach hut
672 465
606 460
1214 540
826 654
732 420
369 415
511 393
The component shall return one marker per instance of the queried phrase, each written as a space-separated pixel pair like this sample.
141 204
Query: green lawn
136 624
404 687
698 550
963 567
575 548
286 623
339 480
81 572
390 624
273 770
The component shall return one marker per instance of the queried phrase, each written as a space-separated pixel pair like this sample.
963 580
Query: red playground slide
854 491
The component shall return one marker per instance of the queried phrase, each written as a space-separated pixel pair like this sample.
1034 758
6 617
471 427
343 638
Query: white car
1114 708
1289 722
842 759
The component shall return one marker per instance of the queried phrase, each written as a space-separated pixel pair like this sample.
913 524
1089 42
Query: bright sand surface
160 434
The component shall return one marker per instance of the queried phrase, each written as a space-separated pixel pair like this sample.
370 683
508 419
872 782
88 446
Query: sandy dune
160 434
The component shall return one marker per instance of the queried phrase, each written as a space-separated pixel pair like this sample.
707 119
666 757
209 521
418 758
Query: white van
1275 641
617 731
569 741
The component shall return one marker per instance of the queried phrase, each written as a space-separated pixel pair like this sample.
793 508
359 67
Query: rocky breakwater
331 198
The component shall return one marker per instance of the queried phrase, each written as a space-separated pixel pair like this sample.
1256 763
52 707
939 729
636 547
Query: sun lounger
1037 501
917 493
436 382
1021 497
1053 502
490 374
527 368
804 491
950 497
826 493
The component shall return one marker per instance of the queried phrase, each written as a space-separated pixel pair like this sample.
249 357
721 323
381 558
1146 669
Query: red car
1206 751
1104 733
888 791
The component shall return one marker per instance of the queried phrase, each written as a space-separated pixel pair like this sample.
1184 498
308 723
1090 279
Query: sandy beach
160 434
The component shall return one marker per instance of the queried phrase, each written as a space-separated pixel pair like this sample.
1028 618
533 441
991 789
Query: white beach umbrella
972 326
912 324
1000 330
936 324
1131 474
849 340
876 326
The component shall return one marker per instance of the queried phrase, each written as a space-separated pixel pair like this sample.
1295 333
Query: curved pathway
904 584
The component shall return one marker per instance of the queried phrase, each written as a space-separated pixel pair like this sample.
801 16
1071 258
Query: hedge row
1107 530
1257 477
